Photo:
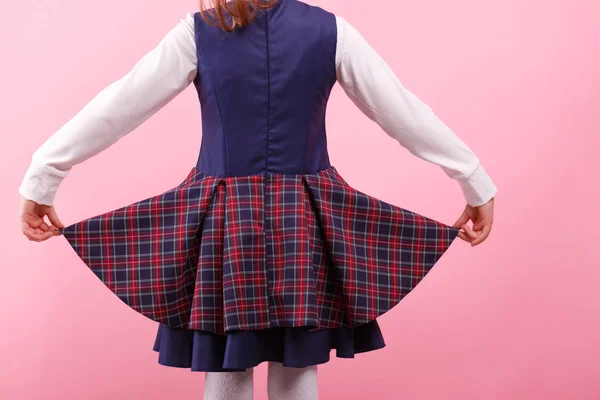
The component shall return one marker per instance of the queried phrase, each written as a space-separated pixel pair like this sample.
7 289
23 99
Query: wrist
478 188
41 183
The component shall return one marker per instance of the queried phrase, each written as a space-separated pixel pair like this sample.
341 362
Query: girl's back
264 91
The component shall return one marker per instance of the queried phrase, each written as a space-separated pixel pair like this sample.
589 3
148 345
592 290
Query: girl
263 252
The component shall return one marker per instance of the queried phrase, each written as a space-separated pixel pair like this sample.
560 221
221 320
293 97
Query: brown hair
230 14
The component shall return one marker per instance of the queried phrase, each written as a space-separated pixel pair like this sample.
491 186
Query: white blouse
165 71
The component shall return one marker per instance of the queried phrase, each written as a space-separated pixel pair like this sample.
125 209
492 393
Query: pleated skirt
239 270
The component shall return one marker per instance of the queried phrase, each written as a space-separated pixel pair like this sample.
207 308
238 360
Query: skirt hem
294 347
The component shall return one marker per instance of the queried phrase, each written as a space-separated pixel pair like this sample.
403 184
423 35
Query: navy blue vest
263 90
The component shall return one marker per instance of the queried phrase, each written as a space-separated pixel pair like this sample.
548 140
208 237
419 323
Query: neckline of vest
279 2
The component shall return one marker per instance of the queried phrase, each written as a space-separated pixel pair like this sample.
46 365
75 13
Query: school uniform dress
263 252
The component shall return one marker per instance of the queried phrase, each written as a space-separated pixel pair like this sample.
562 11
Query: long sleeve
371 84
159 76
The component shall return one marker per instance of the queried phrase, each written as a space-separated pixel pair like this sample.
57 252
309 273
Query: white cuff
478 188
41 183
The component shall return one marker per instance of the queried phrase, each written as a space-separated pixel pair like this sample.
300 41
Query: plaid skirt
243 253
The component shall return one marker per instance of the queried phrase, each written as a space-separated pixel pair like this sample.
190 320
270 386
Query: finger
38 236
28 232
470 232
464 237
44 226
53 217
32 220
46 235
463 219
481 223
55 230
485 232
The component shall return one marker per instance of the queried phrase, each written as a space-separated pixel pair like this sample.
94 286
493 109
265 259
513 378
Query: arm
371 84
159 76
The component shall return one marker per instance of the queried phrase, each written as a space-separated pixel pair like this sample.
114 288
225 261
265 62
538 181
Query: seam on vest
268 92
339 45
199 55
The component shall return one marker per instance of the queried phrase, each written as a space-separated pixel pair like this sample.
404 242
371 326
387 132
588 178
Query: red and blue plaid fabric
253 252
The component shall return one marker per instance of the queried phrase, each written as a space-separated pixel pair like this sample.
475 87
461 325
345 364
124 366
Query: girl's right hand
32 220
482 217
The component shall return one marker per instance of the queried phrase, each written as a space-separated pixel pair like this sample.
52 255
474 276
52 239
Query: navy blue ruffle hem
238 350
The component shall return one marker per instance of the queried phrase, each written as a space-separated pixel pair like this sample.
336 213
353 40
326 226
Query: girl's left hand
483 219
32 220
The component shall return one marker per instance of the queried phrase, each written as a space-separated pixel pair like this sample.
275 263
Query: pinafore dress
263 252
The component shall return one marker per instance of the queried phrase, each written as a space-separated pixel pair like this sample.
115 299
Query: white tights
283 383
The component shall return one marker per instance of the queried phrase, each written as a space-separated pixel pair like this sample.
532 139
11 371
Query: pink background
514 318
